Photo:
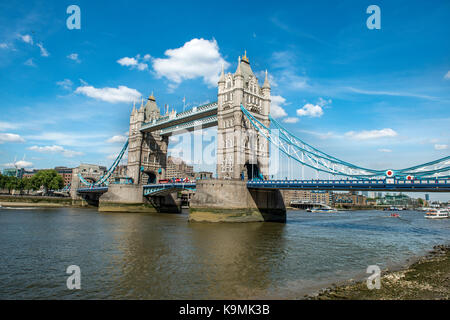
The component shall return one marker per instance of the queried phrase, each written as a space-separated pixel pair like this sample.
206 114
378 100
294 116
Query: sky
379 98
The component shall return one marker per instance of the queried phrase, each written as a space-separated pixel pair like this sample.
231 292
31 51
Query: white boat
437 214
324 210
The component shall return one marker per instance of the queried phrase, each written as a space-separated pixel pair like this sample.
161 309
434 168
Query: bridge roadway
419 185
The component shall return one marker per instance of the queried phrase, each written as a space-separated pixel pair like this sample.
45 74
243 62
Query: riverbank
428 278
36 201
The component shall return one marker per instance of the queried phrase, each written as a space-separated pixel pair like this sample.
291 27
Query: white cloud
134 63
384 150
390 93
125 61
10 137
44 51
66 84
310 110
322 102
276 109
113 95
29 63
117 139
197 58
447 75
26 38
147 57
372 134
4 45
440 146
56 149
291 120
74 57
7 125
19 164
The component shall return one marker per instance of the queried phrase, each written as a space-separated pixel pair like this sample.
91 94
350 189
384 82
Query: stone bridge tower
147 152
242 153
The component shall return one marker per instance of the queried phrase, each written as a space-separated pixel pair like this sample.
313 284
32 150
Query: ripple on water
137 256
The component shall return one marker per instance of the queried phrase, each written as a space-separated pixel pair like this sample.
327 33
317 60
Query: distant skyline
376 98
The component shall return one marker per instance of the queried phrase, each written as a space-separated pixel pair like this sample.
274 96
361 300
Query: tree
420 202
11 183
48 179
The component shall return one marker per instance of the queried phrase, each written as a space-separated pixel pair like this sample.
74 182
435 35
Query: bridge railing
181 115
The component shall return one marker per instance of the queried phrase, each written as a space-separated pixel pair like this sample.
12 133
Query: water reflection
157 256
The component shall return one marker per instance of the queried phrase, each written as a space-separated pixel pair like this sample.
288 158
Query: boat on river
437 214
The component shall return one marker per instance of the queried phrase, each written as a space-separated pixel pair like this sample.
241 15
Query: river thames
162 256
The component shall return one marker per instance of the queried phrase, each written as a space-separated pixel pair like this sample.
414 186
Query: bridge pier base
125 198
231 201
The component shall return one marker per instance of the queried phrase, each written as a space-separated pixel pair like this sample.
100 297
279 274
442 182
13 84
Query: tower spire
238 70
266 81
222 74
245 58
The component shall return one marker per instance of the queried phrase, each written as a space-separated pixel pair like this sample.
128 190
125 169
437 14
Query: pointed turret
266 84
151 109
238 70
222 75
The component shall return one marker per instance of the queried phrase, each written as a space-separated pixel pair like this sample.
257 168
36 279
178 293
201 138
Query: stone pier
129 198
226 200
125 198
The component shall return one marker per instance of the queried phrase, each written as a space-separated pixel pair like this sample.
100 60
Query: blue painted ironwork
104 178
157 124
165 188
313 158
421 185
93 190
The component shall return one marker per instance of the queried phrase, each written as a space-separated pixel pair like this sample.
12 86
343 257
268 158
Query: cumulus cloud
4 45
66 84
44 51
117 139
310 110
133 63
74 57
384 150
291 120
26 38
276 109
113 95
19 164
447 75
197 58
10 137
440 146
372 134
56 149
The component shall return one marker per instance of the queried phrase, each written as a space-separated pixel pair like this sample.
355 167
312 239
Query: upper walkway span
205 115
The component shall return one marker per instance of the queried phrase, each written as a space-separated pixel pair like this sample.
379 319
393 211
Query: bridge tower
147 152
242 153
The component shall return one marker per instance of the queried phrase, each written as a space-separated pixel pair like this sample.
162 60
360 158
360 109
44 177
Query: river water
162 256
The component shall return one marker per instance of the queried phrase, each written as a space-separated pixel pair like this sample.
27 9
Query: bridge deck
422 185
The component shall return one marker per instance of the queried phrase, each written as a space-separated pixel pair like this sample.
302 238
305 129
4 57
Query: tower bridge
243 190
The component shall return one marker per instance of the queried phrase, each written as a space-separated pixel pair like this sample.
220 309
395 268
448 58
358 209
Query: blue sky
377 98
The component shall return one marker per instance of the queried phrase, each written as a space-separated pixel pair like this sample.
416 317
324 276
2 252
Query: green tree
11 183
48 179
420 202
